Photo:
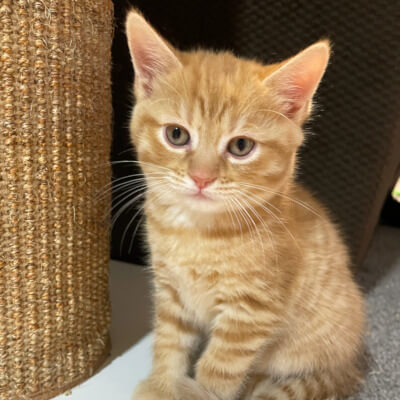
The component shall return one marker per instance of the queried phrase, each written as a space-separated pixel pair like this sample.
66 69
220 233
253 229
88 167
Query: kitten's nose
202 180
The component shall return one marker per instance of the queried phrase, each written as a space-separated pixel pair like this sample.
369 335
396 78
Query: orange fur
258 268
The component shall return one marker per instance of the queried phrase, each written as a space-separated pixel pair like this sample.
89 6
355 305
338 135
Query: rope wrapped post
55 134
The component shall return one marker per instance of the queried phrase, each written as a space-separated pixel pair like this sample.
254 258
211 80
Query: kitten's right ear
151 55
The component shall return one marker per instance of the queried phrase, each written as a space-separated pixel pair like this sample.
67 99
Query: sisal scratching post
55 119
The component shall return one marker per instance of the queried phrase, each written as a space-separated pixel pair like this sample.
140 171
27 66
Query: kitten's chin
204 204
187 209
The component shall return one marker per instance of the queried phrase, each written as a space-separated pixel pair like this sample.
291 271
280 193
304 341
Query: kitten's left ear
297 80
151 55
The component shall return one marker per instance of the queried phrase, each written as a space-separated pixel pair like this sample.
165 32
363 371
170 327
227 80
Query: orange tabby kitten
241 254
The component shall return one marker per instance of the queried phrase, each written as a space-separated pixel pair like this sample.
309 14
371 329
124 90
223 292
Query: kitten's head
213 131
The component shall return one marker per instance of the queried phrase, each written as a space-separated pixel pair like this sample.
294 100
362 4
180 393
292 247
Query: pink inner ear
300 87
295 97
297 80
146 67
151 56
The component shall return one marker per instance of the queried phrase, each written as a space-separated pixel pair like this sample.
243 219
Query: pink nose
202 181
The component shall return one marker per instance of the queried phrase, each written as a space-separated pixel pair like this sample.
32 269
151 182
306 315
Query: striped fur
259 273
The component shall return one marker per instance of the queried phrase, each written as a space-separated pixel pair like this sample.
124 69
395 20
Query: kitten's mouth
201 196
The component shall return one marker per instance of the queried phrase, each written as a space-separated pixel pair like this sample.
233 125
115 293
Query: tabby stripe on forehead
222 110
202 104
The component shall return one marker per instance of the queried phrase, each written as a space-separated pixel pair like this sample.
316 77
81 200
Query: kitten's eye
177 135
240 147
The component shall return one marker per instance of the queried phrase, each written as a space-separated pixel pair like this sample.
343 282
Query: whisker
131 192
279 114
266 228
127 228
134 233
138 225
117 187
283 195
241 211
260 188
141 208
124 207
254 225
141 163
129 188
130 202
126 150
279 220
132 176
230 213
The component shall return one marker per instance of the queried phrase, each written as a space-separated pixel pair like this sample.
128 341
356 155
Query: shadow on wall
131 306
383 255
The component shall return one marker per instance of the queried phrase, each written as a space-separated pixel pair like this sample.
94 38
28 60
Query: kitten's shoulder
306 207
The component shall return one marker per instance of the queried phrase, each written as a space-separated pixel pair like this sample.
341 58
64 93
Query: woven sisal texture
55 118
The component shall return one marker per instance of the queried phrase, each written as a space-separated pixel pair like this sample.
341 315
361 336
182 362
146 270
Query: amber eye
240 147
177 135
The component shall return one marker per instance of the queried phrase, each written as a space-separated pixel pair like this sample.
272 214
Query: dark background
352 137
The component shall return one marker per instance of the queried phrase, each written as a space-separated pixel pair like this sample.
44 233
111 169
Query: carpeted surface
380 279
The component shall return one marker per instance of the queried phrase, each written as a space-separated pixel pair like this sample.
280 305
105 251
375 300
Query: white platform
130 359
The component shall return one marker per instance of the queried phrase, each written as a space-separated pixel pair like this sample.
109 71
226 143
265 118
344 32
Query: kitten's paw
147 390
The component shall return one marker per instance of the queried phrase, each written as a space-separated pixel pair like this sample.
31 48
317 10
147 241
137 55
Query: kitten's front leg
239 334
174 339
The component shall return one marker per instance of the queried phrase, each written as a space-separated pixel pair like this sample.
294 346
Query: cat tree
55 121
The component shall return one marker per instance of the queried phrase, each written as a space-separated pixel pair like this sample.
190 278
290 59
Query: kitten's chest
195 270
198 291
203 269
